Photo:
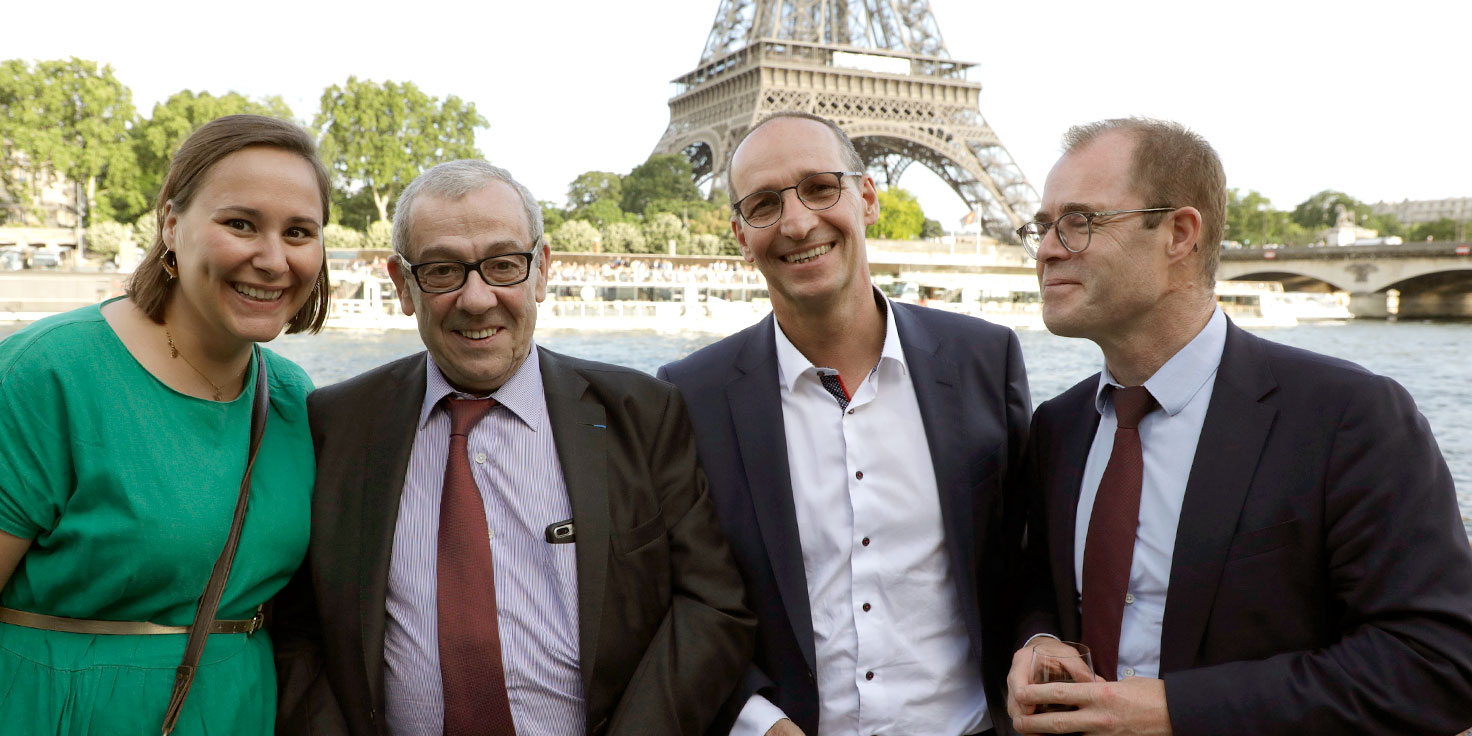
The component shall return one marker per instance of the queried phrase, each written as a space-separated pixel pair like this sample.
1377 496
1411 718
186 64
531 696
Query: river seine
1432 360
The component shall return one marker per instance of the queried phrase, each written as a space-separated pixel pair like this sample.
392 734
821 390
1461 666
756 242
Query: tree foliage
932 229
591 186
379 235
663 228
662 176
900 216
379 136
623 237
1445 229
337 236
106 238
1322 209
67 117
156 139
576 236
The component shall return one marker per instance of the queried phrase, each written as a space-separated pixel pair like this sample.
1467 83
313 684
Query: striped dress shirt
514 459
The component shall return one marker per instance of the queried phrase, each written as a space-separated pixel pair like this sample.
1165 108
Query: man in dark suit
546 559
857 450
1250 538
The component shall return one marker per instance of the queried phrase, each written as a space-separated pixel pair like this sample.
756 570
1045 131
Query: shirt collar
1178 381
792 364
521 393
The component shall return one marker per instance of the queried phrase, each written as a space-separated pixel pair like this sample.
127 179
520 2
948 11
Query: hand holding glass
1065 661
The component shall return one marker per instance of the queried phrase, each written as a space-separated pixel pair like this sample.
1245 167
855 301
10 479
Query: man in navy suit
857 450
1287 556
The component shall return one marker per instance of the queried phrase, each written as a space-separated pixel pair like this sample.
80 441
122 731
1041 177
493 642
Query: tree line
73 121
1252 222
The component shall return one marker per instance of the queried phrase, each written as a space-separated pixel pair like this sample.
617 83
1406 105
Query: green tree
552 216
602 213
662 176
1322 209
900 216
661 229
1444 229
105 238
705 244
346 238
145 229
1250 219
591 186
381 135
379 235
355 210
575 236
1386 224
67 117
624 237
156 139
932 229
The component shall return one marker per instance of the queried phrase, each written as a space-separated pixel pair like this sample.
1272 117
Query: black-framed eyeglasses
1073 227
443 277
816 192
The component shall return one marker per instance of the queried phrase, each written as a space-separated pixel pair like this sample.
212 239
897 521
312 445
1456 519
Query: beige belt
86 626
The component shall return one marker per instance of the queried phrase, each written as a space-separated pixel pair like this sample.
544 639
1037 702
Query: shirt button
868 675
480 457
1128 672
850 411
865 542
1129 598
859 475
866 607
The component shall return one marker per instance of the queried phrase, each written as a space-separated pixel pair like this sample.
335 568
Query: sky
1372 99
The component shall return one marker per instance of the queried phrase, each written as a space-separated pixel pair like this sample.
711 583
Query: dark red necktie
473 679
1110 546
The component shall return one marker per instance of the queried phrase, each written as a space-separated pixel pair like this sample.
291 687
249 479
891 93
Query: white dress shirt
514 460
1168 439
892 651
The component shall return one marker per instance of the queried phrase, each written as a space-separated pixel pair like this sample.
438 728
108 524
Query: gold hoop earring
171 263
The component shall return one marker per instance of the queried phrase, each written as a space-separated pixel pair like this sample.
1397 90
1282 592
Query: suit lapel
1227 454
390 433
1066 457
755 399
579 429
935 375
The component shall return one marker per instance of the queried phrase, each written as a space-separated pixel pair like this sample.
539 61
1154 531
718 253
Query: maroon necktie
474 681
1111 542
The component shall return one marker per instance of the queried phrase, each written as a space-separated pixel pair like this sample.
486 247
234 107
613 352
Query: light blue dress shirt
1168 438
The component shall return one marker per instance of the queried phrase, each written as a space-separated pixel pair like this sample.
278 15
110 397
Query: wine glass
1052 661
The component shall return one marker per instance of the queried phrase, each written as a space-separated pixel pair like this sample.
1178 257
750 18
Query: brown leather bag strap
209 602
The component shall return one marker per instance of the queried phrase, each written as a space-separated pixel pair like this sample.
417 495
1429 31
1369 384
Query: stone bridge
1409 280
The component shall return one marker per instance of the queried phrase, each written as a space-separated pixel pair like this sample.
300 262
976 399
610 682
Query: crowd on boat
639 271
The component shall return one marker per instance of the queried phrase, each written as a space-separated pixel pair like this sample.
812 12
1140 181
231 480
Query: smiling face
1110 291
249 248
479 334
812 261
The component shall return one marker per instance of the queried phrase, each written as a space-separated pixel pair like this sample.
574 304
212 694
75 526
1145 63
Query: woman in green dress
123 438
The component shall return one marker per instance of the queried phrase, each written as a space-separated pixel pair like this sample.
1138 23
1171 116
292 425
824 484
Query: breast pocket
631 540
1262 541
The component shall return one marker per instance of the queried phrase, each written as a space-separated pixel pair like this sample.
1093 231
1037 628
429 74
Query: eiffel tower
877 68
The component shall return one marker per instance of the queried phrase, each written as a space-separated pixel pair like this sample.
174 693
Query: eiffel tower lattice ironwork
877 68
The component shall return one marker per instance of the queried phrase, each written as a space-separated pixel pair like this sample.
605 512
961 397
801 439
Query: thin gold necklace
174 350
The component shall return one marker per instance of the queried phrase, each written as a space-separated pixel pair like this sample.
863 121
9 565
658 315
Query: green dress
127 489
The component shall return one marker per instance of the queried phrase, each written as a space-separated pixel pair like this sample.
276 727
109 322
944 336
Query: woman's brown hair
151 286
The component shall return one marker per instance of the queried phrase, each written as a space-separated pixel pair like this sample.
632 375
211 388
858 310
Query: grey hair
851 157
453 180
